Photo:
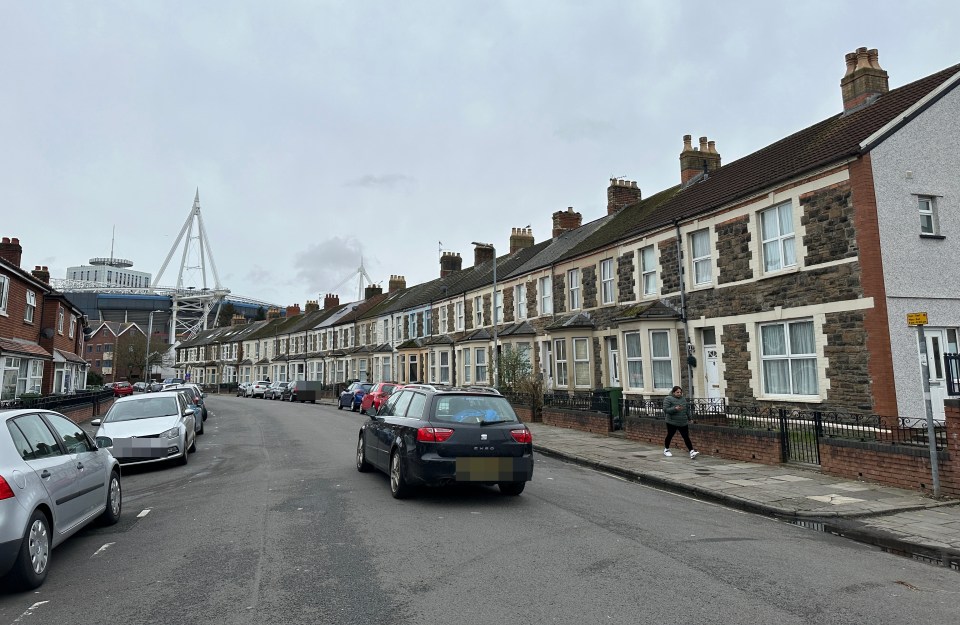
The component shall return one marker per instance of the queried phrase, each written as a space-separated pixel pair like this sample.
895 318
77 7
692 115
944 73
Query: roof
15 346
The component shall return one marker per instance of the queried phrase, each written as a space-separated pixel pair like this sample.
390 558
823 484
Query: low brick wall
595 422
745 445
86 412
523 413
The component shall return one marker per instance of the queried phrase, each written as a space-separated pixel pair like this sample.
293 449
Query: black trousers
684 432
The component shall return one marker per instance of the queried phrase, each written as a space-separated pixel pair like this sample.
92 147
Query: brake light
433 435
5 491
522 436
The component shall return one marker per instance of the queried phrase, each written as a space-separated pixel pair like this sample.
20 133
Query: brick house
41 331
105 341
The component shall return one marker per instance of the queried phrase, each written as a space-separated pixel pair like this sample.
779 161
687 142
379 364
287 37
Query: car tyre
362 465
399 487
32 563
511 488
184 459
339 405
200 431
193 445
114 500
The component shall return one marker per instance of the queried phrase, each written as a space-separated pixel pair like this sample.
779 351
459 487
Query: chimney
694 161
41 273
397 283
372 291
450 262
622 193
238 320
273 313
520 238
293 311
564 221
312 305
330 300
11 251
481 255
863 80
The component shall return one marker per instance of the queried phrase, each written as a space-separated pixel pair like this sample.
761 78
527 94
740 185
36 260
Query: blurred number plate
485 469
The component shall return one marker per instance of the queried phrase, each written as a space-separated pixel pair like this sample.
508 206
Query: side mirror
96 422
188 412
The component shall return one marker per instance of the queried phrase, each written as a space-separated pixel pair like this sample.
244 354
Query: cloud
585 130
385 181
329 266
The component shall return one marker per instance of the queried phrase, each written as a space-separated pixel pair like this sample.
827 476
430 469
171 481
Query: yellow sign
917 319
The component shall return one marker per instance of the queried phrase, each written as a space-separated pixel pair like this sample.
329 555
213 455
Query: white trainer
667 453
694 453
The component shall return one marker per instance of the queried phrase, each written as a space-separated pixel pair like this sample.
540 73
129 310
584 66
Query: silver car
53 481
149 428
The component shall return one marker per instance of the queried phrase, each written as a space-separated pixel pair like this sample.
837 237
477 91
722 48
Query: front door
613 357
711 372
936 340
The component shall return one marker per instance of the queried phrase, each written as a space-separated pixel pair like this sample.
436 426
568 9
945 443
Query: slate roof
576 320
518 329
647 310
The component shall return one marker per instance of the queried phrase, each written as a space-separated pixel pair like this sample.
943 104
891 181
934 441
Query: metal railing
59 402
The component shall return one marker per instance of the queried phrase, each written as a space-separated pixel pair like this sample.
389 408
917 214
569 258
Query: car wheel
398 483
184 459
33 561
200 431
339 405
511 488
362 465
193 445
114 500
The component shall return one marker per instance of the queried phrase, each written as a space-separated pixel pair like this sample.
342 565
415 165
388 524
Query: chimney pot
866 81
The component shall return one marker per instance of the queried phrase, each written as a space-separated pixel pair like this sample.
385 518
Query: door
613 358
91 464
711 373
936 340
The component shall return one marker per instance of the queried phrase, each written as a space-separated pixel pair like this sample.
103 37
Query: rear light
433 435
5 491
522 436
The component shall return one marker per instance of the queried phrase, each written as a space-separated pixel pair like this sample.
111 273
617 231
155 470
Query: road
271 523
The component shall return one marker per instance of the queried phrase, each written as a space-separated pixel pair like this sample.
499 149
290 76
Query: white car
149 428
258 388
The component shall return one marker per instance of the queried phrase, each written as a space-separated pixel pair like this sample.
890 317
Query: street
270 522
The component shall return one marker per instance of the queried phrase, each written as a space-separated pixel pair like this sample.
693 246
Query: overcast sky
320 131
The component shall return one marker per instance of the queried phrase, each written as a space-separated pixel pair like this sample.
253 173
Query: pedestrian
678 420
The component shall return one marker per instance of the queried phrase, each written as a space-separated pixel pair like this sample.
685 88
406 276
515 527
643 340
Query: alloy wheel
39 545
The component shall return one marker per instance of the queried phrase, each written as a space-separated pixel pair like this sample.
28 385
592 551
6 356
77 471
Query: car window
25 449
400 408
388 389
73 437
146 408
366 387
473 409
415 410
41 439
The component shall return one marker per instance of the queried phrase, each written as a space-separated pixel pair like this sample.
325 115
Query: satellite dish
47 333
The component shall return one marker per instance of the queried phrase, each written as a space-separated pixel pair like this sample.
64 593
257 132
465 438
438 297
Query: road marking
102 549
29 611
143 513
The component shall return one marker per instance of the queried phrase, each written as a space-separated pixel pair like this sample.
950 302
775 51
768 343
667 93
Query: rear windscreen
472 409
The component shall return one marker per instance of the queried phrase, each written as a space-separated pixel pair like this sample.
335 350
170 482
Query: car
190 397
433 435
372 401
140 387
122 389
196 397
242 389
257 389
45 495
352 396
274 390
302 390
142 429
155 387
173 380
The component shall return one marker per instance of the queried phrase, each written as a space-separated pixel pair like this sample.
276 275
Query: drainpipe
683 306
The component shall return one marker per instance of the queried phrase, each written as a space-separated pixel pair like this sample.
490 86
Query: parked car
44 496
257 389
352 396
302 390
429 435
196 397
372 401
173 380
156 387
122 389
242 389
140 387
149 428
189 395
274 390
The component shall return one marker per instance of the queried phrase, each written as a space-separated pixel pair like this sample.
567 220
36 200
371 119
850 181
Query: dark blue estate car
435 435
351 396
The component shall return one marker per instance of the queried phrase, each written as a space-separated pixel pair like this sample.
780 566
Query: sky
322 133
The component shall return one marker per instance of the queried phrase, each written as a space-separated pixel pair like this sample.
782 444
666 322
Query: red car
378 394
122 389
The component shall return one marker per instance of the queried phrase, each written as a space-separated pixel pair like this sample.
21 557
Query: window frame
545 287
701 261
478 311
633 359
789 357
656 359
561 371
608 293
781 239
581 365
647 272
573 289
520 301
931 212
30 307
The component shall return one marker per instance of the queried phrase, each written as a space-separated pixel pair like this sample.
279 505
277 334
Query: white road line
143 513
102 549
29 611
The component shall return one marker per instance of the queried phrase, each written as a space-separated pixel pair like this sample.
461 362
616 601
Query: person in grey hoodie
675 410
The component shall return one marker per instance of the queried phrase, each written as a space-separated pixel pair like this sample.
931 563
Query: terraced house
784 277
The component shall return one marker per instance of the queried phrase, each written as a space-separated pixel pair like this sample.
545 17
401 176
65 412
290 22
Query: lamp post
146 364
493 299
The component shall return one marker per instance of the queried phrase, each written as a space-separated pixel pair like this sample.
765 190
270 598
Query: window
776 233
444 367
581 362
560 361
42 442
478 312
443 319
480 358
386 330
573 288
545 288
662 362
31 307
73 437
788 352
428 323
648 271
700 253
73 325
387 375
606 281
634 360
433 367
928 215
60 320
498 307
397 328
465 358
520 302
458 311
412 326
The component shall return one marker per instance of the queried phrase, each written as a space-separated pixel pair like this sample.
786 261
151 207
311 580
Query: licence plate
485 469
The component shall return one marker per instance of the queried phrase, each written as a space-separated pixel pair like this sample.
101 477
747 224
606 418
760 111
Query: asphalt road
271 523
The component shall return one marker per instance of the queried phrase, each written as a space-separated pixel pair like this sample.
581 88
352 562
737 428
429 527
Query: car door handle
44 474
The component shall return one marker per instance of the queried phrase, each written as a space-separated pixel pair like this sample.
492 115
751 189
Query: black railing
59 402
591 401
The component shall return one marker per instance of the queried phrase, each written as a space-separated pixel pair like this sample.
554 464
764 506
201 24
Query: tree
94 379
225 318
261 314
514 366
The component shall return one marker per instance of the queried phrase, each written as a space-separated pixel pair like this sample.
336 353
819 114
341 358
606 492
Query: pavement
898 520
